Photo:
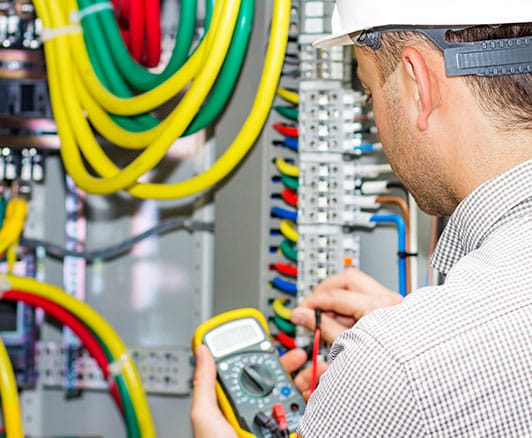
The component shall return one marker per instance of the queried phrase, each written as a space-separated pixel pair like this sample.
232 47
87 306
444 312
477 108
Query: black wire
291 61
111 252
397 185
291 73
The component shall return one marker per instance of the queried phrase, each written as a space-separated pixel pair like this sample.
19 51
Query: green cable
229 72
105 68
222 89
290 182
130 417
3 206
136 74
287 111
183 39
288 250
132 424
135 123
285 326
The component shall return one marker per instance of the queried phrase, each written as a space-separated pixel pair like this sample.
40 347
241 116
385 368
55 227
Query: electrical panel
297 209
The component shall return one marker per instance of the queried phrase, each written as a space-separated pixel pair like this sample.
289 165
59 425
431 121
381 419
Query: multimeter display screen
234 336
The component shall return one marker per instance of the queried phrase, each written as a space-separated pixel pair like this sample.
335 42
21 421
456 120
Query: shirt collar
472 220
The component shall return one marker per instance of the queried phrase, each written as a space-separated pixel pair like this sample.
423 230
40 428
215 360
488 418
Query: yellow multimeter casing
250 377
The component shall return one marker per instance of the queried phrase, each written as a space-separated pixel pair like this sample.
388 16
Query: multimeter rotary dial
257 380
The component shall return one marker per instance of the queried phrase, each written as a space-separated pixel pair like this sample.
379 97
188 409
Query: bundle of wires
286 271
90 82
99 339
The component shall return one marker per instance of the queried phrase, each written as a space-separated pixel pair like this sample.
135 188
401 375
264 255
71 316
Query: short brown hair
508 99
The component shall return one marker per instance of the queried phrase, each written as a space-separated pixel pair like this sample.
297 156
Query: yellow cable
252 126
288 230
11 258
13 224
112 132
96 110
71 125
150 99
280 309
286 168
104 331
181 115
289 96
9 394
114 181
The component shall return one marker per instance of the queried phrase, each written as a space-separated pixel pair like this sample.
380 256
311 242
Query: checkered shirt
450 360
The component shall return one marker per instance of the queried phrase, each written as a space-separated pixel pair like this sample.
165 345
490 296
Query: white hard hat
352 16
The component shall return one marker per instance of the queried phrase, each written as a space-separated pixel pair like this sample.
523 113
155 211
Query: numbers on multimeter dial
255 379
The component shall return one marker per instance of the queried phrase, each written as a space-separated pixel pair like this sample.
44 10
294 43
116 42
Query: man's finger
336 281
207 419
204 379
339 301
330 328
304 379
352 279
294 359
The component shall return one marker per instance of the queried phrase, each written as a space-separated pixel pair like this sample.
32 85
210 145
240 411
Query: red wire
124 11
286 269
286 340
152 13
116 6
136 29
287 131
315 350
82 332
121 10
290 196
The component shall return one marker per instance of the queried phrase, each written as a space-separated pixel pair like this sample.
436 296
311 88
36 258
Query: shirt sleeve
364 392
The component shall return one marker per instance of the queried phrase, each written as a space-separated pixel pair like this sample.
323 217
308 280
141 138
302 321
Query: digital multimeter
250 377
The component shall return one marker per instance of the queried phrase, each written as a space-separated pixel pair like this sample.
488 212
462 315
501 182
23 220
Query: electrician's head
441 75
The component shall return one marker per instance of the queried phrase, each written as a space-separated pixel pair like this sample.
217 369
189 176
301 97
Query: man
455 121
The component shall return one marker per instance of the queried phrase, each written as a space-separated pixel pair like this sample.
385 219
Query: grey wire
119 249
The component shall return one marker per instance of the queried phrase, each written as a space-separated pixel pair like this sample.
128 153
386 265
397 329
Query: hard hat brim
334 40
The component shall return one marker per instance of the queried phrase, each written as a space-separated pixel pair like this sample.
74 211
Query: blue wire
401 244
284 286
364 148
291 143
283 213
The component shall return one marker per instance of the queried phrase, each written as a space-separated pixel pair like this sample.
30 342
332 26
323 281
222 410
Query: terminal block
324 250
23 165
315 16
327 191
315 64
19 26
328 118
323 64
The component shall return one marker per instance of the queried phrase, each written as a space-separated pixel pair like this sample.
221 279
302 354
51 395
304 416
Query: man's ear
423 82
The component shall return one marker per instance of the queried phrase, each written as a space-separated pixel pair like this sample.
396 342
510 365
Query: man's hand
206 417
344 298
